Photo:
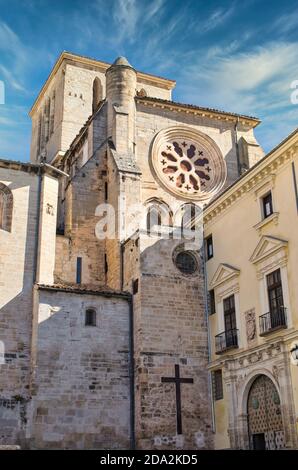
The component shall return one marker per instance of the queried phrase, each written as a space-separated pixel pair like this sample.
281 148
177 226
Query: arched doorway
265 426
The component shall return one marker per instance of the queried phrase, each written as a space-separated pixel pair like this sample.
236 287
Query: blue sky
239 56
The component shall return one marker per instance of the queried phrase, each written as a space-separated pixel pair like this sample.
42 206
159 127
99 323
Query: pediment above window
224 273
267 247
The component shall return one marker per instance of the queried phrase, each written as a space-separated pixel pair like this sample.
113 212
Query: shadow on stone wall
15 326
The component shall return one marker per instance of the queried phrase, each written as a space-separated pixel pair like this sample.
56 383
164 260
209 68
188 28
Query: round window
188 163
186 262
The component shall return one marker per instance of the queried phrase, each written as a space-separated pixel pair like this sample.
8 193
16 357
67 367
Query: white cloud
6 122
286 23
126 15
10 79
132 16
256 82
18 59
16 56
244 81
154 8
14 132
9 41
215 19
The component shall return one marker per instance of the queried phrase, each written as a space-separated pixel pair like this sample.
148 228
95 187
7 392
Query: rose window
188 163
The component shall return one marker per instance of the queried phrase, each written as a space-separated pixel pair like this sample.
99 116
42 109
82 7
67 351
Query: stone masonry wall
170 328
84 194
78 95
81 396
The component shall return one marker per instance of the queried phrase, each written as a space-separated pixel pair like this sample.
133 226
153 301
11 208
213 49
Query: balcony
272 321
226 341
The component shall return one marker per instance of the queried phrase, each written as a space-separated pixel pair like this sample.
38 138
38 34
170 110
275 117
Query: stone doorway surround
239 373
265 425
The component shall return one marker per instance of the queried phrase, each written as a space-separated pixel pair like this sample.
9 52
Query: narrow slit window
79 270
90 317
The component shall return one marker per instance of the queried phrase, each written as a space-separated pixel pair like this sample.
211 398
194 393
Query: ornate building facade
103 314
253 318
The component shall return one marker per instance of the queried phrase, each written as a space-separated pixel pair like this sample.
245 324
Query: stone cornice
36 168
271 163
210 113
19 166
81 289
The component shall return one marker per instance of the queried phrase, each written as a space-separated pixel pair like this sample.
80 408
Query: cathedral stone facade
104 324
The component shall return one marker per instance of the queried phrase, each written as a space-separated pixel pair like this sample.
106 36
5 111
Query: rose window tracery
188 162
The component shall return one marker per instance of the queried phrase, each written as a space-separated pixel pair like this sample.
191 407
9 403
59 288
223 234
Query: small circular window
186 262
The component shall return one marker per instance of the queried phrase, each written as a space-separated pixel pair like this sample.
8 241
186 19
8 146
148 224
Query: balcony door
230 321
275 298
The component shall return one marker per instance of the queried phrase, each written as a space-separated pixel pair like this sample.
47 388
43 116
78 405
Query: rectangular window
229 313
106 191
90 317
79 271
275 295
211 302
217 385
276 317
231 338
267 205
209 247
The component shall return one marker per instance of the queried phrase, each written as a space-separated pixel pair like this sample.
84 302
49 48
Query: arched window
142 93
190 216
153 219
97 94
90 317
158 214
6 206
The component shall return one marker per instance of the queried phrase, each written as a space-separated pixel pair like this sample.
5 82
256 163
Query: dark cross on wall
177 380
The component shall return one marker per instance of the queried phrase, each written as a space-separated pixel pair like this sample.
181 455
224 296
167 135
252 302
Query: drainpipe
209 339
237 146
34 307
122 249
131 365
131 375
57 170
37 225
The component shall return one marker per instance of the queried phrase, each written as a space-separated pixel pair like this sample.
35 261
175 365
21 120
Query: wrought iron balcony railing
226 340
276 319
